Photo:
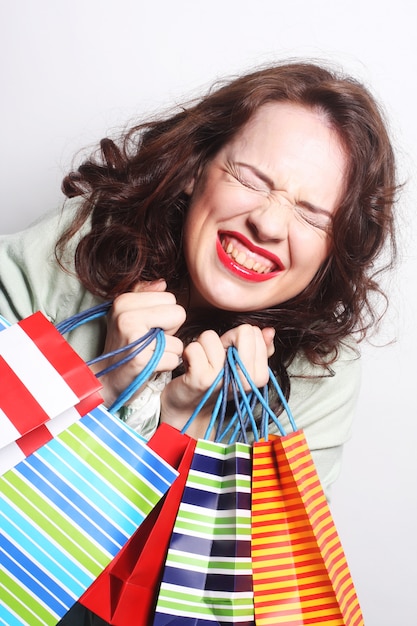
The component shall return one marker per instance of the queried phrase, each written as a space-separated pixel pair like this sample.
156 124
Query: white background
71 71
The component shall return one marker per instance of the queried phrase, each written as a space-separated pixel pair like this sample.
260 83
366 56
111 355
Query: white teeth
243 260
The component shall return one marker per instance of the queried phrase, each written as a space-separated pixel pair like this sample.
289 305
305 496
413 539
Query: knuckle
160 298
120 302
209 336
244 329
247 332
123 321
181 313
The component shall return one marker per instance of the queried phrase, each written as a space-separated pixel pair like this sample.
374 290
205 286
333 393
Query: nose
270 222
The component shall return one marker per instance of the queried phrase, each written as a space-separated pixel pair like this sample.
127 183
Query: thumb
269 335
156 285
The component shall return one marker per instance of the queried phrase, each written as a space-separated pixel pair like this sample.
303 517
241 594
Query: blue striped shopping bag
207 577
67 510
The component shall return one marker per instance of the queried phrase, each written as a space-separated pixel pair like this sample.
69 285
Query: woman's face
260 215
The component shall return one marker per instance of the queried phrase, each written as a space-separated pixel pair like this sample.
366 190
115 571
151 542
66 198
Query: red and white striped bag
45 386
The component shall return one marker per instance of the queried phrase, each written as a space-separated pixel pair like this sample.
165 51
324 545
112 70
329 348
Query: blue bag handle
263 398
244 404
131 350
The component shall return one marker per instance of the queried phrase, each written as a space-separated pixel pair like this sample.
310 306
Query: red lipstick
244 272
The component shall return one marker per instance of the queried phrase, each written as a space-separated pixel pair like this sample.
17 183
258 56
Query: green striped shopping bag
67 510
207 577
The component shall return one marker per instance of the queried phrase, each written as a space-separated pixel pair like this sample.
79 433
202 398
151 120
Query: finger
248 341
252 350
269 336
204 359
170 358
251 347
168 362
156 285
214 352
140 300
132 324
172 355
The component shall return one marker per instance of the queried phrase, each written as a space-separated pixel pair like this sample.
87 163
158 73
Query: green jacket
32 280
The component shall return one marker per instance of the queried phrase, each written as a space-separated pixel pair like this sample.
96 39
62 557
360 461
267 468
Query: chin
233 304
227 297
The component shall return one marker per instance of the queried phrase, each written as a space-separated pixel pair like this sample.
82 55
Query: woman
253 217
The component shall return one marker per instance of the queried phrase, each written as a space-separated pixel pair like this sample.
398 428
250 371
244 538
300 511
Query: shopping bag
300 572
207 575
125 593
44 387
68 509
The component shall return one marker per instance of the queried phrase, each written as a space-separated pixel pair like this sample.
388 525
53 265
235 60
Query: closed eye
315 216
250 177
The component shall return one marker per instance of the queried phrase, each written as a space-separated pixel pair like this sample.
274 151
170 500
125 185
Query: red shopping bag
300 572
45 387
125 593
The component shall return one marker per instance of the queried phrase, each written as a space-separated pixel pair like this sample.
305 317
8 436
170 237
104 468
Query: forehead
283 122
296 149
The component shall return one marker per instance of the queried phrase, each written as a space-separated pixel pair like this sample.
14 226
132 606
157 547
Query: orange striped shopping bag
300 573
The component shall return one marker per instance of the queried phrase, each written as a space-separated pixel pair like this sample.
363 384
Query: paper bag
68 509
44 387
207 577
300 573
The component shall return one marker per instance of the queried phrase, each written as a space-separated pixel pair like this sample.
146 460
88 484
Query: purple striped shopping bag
208 574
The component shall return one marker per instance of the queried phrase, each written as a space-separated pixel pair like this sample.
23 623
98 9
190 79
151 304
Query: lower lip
239 270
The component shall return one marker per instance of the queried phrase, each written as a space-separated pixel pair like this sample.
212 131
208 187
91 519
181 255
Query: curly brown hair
133 192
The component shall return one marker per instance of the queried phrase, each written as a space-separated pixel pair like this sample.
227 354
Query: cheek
199 213
309 247
219 203
196 233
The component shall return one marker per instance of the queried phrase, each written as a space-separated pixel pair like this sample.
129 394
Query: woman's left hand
203 360
254 346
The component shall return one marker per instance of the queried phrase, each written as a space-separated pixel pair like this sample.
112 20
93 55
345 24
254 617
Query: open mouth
243 258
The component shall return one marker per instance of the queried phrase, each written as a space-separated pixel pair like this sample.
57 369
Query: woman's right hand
132 315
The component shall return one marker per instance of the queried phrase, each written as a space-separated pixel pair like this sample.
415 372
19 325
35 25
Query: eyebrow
266 179
258 173
316 209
